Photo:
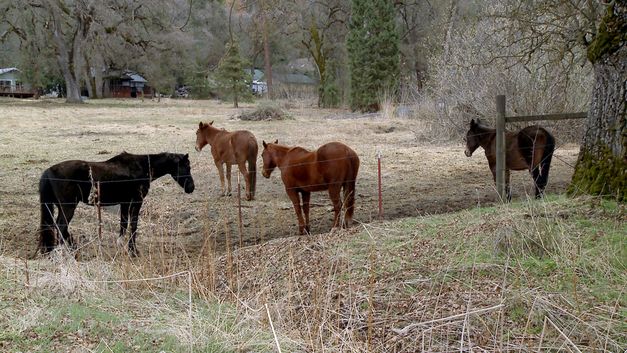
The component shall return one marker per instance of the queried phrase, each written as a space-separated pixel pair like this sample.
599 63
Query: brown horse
530 148
237 147
332 167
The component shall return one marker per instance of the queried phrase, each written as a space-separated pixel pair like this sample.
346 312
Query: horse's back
337 161
244 140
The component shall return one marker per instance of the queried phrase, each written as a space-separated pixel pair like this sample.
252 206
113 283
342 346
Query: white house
11 84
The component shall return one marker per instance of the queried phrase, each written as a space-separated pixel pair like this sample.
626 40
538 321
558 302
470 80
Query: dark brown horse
124 180
332 167
237 147
530 148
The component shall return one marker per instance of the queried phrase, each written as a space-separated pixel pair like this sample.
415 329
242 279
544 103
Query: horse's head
182 172
201 136
473 137
269 158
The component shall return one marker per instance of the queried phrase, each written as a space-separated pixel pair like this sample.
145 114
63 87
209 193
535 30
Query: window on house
5 85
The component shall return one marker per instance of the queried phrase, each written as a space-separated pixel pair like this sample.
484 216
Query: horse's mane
480 126
298 149
124 157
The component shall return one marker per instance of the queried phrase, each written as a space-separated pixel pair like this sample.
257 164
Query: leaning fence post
379 181
500 146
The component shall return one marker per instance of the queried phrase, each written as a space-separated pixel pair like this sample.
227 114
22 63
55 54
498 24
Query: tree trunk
602 163
266 54
235 97
318 55
66 57
89 81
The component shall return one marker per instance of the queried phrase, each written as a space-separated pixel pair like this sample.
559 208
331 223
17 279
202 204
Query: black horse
124 179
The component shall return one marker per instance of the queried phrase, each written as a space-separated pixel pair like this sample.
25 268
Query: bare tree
81 31
575 32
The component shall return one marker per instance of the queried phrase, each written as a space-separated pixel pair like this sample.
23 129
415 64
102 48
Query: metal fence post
379 185
500 146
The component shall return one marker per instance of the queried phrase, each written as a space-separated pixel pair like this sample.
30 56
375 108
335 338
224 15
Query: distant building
294 85
11 84
126 84
258 86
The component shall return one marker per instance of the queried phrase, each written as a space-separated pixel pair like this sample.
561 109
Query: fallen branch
409 327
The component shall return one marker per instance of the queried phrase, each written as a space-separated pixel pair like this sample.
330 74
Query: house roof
295 78
8 69
136 77
258 75
126 75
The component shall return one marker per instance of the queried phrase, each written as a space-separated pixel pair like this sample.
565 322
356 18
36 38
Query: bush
265 112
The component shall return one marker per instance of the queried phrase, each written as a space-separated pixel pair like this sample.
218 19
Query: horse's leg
508 189
334 194
293 195
124 208
228 177
134 214
220 167
66 213
244 171
535 175
306 197
349 203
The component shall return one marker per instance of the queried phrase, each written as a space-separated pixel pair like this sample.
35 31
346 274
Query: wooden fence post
500 147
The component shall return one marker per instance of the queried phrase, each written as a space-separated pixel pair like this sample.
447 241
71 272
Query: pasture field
420 176
448 268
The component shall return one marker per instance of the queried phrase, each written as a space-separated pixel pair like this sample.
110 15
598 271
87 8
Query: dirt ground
419 177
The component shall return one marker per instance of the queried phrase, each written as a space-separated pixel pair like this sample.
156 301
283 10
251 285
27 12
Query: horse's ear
211 123
276 141
200 124
472 122
186 156
264 143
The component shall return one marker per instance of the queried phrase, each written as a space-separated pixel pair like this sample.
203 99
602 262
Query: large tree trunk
66 57
602 163
266 54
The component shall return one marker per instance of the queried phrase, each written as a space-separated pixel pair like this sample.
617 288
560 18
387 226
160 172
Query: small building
258 85
126 84
295 85
11 84
292 85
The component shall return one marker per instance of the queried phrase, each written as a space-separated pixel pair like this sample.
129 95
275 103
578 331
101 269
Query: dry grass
344 291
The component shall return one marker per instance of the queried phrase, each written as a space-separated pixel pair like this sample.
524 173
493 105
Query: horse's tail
252 167
541 174
47 238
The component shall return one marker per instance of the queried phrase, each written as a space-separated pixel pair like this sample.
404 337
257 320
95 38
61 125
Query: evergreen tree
373 50
232 77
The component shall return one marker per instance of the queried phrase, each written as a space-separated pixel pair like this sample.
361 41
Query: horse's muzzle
189 187
198 149
265 173
467 152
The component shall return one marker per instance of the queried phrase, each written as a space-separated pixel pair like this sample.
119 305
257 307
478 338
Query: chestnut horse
530 148
237 147
332 167
124 180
